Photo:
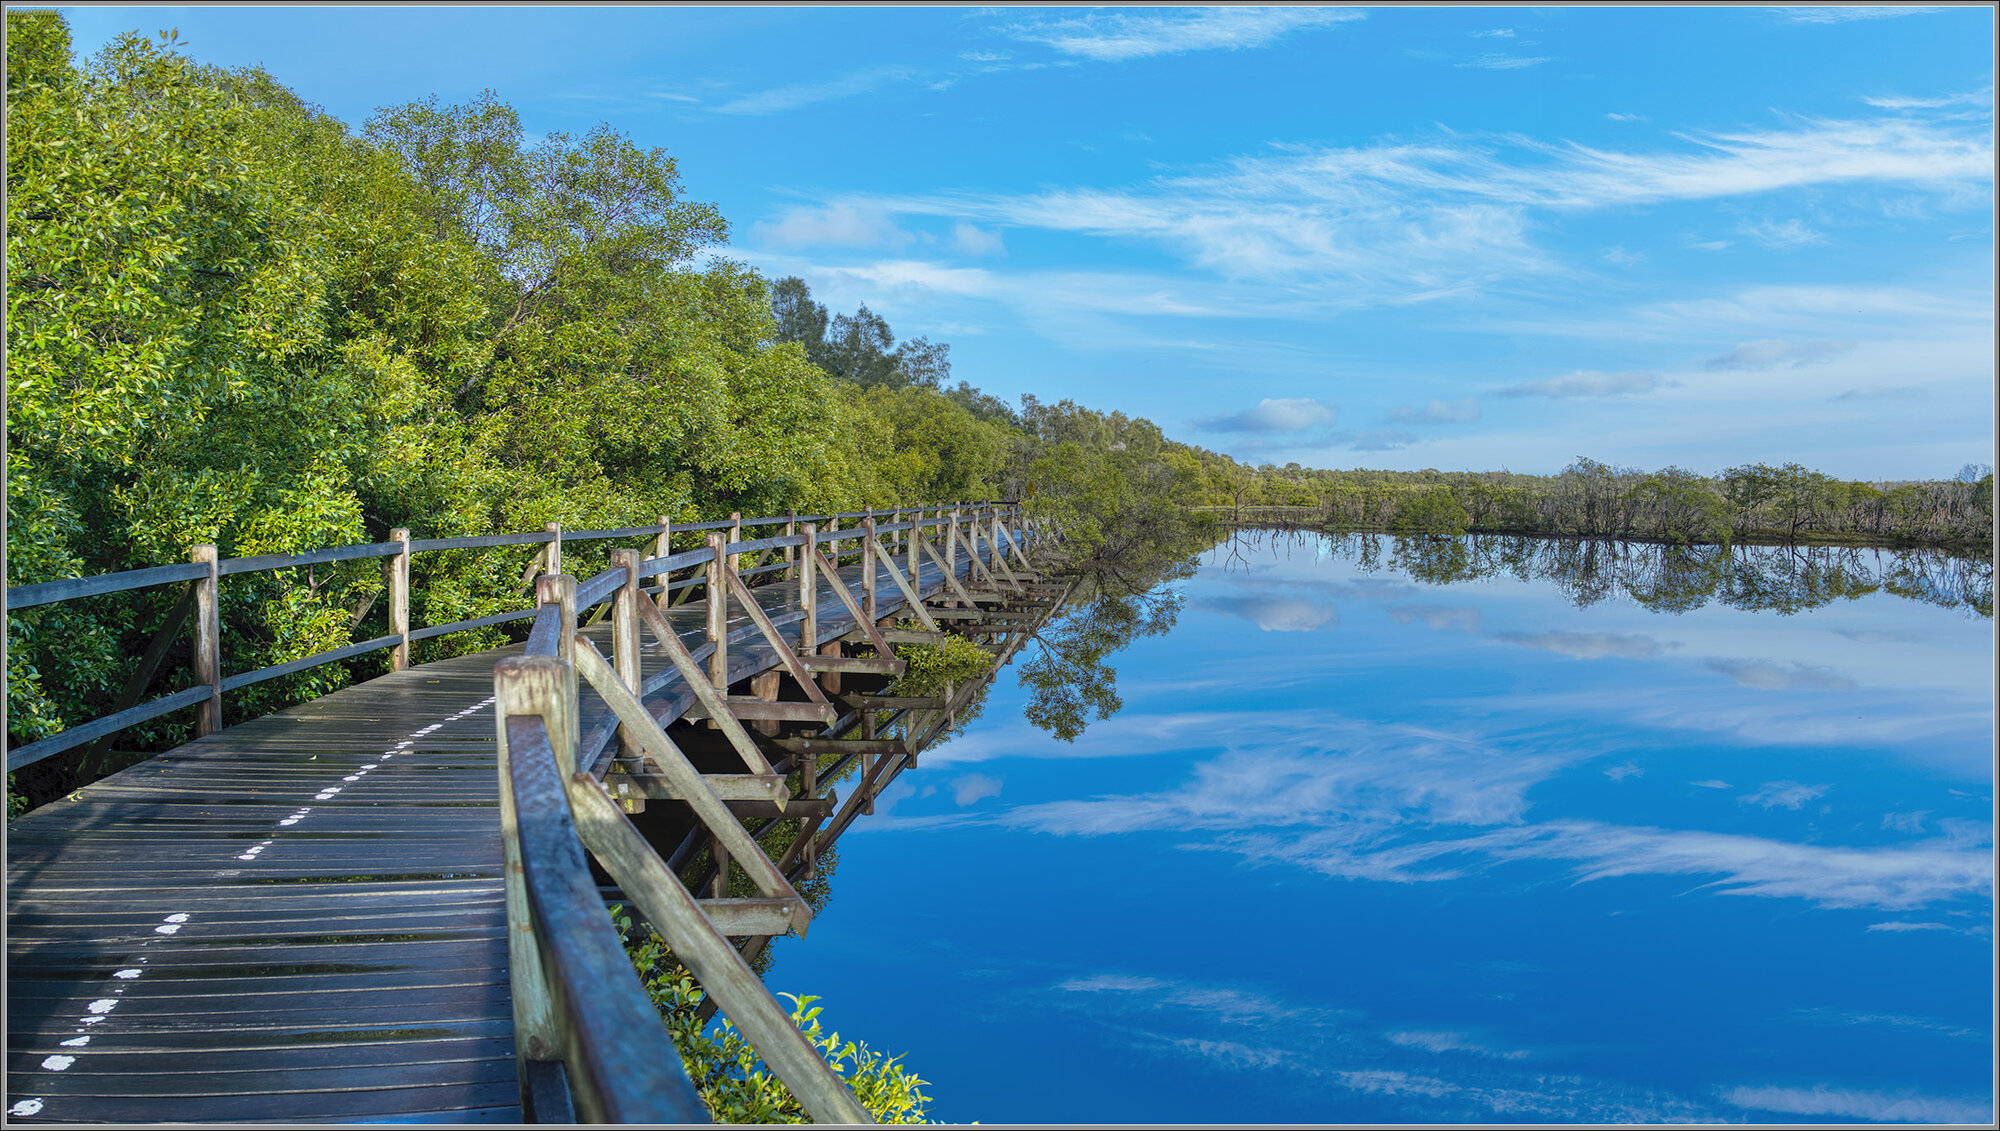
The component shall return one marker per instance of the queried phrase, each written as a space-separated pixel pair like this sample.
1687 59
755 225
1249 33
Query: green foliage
1432 511
731 1076
951 660
232 319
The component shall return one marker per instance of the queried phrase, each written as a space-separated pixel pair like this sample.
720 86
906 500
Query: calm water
1361 847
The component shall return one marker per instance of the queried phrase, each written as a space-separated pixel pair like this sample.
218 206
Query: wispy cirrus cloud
1497 61
840 224
1462 410
1781 235
786 98
1874 1107
1434 1041
1783 794
1764 676
1302 230
1768 353
1846 14
1584 383
1117 36
1978 99
1586 645
1463 618
1404 804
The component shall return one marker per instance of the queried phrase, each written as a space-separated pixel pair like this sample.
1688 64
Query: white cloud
1772 677
1438 617
1450 1042
1625 770
1623 258
1584 383
1781 235
1586 645
1873 1107
1274 414
1977 99
1496 33
974 787
1905 822
975 241
1786 794
1275 613
782 99
1617 117
1438 412
1898 925
1117 36
1494 61
1846 13
1712 783
841 224
1381 802
1302 230
1768 353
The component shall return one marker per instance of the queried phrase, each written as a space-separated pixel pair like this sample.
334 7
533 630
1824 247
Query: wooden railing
204 572
589 1044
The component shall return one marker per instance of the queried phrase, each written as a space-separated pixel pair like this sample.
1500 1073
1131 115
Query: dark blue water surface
1530 847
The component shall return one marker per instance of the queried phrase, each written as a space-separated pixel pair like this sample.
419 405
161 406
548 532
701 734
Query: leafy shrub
731 1076
952 659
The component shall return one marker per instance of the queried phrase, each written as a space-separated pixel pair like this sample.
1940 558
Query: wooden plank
781 711
875 665
842 745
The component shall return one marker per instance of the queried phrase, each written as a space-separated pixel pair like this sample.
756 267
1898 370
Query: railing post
625 657
868 566
553 563
791 553
736 535
808 590
560 591
208 641
951 546
911 535
833 527
399 599
664 547
528 685
718 611
867 764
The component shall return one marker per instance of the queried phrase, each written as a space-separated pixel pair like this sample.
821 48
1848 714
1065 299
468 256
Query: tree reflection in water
1676 579
1071 681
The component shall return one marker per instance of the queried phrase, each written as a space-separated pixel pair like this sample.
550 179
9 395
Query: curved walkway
299 918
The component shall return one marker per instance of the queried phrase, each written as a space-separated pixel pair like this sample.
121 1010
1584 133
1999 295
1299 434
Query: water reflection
1396 830
1675 579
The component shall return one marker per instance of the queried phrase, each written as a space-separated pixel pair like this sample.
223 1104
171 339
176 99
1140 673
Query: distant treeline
1755 502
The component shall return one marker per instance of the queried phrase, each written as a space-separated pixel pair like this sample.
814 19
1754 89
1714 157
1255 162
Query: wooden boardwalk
299 918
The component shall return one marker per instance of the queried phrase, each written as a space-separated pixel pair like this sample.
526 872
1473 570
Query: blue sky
1464 238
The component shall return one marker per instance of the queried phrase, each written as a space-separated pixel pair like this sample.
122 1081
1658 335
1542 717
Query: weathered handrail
575 995
207 569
